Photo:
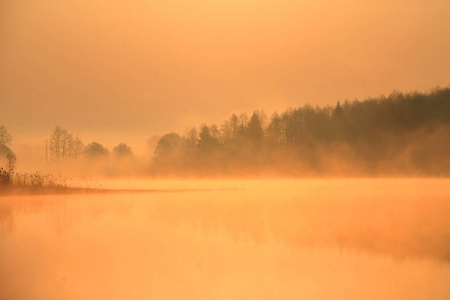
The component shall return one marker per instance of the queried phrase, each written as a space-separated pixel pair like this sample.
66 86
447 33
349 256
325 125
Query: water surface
270 239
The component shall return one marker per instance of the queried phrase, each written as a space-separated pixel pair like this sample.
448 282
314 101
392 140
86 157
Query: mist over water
231 239
101 102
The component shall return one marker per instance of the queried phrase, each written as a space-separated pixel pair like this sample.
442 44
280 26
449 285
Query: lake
230 239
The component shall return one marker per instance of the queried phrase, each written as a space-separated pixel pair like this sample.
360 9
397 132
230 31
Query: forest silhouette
398 135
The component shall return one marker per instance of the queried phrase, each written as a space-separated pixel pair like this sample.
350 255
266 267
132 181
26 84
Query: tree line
63 149
398 135
395 135
63 145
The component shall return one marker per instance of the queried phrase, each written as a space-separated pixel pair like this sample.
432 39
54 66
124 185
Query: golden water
270 239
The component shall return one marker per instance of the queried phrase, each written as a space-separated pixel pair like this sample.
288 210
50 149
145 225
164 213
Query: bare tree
192 136
63 145
46 150
56 143
11 157
215 132
226 132
78 147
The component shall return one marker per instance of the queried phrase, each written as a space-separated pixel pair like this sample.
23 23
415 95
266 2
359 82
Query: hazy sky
141 67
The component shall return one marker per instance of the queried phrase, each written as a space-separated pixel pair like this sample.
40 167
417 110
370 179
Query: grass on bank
34 183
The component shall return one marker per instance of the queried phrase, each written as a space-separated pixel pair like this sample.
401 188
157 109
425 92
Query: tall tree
11 157
255 130
78 147
215 132
275 131
63 145
226 132
206 142
5 151
5 137
192 136
234 125
57 143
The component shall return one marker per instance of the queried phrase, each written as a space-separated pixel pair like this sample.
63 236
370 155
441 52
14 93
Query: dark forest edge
401 135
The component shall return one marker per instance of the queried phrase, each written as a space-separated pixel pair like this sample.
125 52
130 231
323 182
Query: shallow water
225 239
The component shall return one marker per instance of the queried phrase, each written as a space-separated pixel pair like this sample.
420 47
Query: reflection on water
313 239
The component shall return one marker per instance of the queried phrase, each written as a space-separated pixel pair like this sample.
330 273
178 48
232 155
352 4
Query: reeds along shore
32 183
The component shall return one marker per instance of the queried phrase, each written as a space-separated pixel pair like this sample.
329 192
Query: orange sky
141 67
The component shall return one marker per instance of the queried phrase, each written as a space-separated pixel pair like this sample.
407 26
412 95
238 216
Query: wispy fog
402 135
